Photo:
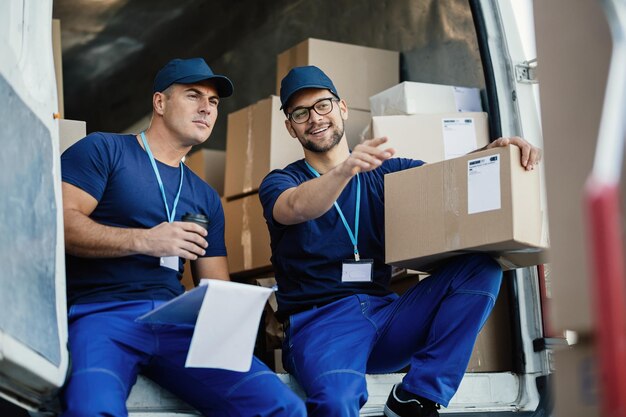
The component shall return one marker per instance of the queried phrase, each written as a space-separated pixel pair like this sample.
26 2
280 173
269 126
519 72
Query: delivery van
510 374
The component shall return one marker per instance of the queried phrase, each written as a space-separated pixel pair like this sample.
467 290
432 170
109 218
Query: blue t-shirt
116 171
307 257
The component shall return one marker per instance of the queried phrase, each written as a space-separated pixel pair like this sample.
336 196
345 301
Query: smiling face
189 111
319 134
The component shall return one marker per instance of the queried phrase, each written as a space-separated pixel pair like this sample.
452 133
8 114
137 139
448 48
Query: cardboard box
576 381
257 142
492 350
483 202
433 137
57 58
358 72
246 235
412 98
209 165
70 132
357 126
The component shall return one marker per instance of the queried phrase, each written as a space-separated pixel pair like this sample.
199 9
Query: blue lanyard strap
170 218
354 237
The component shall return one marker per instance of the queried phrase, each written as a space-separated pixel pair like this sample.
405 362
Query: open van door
33 323
505 34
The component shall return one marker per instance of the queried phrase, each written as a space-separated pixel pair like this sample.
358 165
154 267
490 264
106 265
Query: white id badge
357 271
170 262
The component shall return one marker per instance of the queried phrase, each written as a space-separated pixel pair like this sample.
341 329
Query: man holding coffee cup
123 197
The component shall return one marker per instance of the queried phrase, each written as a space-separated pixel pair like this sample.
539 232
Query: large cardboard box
246 235
209 164
433 137
257 142
412 98
70 132
358 72
576 381
483 202
492 350
357 126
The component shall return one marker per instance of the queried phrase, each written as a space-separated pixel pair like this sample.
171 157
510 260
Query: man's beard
321 147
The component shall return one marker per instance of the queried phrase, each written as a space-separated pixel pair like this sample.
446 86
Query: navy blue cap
304 77
189 71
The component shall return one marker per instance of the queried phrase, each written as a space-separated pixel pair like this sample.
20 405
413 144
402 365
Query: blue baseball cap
304 77
189 71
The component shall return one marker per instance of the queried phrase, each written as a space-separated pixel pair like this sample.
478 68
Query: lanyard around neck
170 217
354 237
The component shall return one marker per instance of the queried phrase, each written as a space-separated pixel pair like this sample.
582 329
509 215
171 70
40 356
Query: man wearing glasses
325 214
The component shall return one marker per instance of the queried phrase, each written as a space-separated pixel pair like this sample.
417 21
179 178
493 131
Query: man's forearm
311 199
87 238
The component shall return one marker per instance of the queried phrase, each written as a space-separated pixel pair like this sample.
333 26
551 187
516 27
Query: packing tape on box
247 171
246 235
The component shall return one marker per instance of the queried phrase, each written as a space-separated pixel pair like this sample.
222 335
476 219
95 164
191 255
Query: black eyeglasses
302 114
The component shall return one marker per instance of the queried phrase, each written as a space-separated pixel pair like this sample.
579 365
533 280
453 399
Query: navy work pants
432 328
108 349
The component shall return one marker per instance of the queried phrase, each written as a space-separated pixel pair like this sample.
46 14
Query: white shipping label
483 184
459 137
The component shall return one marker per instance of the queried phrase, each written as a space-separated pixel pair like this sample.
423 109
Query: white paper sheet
226 316
483 184
467 99
459 137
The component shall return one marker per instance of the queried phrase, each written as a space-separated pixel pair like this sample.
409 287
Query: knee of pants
487 274
338 394
94 393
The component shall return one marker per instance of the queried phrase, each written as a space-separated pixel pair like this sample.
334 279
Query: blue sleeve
87 164
215 236
400 164
273 185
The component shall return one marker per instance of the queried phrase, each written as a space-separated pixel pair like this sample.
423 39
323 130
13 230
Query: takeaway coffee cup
199 219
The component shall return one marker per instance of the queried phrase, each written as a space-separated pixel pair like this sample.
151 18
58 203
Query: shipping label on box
433 137
358 72
246 235
482 202
412 97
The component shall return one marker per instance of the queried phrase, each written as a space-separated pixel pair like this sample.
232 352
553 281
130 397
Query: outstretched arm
315 197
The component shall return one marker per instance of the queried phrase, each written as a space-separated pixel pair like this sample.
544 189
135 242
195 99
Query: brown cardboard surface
70 132
356 126
358 72
576 381
257 142
209 165
427 217
421 136
58 64
572 94
246 235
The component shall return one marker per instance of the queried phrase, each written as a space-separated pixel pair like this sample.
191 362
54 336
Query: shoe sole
390 413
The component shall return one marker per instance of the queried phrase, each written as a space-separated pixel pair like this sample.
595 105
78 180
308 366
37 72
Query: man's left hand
531 155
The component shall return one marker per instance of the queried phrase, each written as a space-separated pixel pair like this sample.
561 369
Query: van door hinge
526 72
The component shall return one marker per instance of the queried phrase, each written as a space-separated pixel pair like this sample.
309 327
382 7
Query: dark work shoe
402 403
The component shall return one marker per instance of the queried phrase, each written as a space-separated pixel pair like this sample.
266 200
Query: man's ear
343 107
290 129
158 103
